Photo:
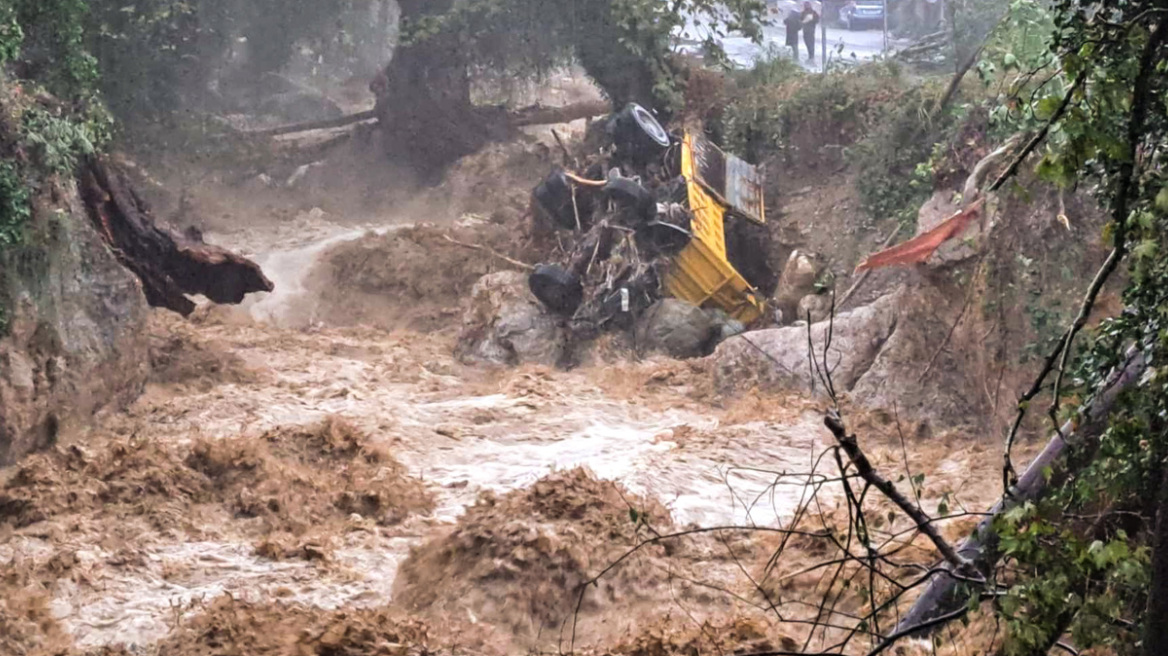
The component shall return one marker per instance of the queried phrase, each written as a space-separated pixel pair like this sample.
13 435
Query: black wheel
559 290
638 135
631 196
554 197
649 125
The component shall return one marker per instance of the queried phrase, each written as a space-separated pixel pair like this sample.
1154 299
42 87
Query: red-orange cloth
919 248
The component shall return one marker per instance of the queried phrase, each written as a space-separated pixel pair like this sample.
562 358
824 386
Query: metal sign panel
733 181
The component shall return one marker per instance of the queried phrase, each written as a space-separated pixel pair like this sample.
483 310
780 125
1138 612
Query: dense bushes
800 122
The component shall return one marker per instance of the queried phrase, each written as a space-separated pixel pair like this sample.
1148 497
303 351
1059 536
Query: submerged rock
506 324
676 328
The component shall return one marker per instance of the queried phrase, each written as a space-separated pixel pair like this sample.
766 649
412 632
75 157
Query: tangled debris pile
520 559
652 215
27 625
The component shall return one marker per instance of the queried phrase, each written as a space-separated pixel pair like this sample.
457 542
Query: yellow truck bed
701 274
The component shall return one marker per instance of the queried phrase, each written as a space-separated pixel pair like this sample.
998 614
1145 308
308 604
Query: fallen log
169 265
324 124
535 115
946 593
539 115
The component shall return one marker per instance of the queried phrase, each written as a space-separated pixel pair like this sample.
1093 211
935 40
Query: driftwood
538 115
339 122
169 265
946 593
535 115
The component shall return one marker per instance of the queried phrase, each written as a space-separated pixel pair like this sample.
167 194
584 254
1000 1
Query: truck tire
638 135
627 194
557 289
554 197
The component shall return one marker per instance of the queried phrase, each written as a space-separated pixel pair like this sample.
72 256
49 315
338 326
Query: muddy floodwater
657 427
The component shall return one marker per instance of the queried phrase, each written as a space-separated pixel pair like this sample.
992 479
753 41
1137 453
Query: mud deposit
328 487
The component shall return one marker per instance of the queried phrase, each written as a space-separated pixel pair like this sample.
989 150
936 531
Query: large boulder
778 357
75 339
505 324
796 281
677 328
941 207
897 355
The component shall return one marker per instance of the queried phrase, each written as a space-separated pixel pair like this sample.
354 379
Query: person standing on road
793 24
809 19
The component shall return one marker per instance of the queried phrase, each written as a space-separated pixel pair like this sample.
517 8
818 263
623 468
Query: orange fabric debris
920 248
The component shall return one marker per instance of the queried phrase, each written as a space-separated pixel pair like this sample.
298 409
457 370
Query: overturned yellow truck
655 214
701 274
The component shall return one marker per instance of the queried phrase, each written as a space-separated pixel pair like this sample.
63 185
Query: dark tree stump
170 265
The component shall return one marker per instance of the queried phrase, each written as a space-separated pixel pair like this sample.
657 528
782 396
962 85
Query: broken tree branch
1141 100
944 592
477 247
549 115
864 468
325 124
963 69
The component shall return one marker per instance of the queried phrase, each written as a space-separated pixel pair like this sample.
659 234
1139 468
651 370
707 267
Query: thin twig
568 159
478 247
851 447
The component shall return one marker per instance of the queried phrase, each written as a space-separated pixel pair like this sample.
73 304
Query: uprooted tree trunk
424 104
169 265
424 98
946 593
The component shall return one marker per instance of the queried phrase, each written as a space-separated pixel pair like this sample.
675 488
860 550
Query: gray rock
676 328
796 281
727 325
818 306
778 357
939 208
77 329
505 324
880 357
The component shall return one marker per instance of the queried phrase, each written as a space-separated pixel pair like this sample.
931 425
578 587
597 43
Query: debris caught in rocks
651 216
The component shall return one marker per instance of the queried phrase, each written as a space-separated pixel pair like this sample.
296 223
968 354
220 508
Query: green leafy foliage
57 142
15 211
776 105
14 204
897 161
11 35
618 42
1081 558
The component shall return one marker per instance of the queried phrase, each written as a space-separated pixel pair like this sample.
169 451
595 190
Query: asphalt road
859 45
